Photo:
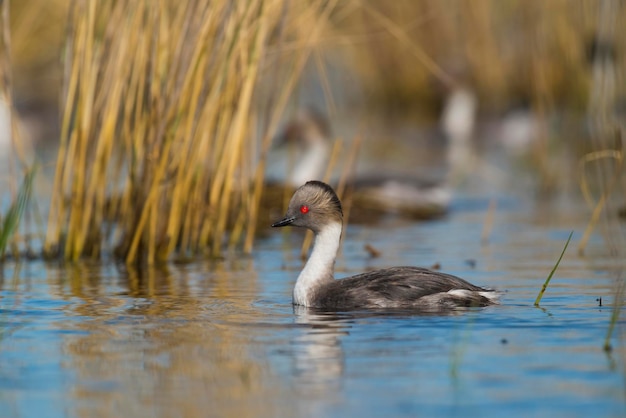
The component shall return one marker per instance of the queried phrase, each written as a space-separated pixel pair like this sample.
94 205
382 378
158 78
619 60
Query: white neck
458 124
311 166
320 265
459 116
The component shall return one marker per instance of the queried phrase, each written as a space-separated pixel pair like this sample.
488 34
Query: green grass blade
13 216
545 285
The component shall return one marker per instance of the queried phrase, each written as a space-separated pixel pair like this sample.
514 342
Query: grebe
309 131
412 196
315 206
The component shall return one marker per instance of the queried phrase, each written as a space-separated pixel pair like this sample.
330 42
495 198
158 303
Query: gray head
308 126
312 206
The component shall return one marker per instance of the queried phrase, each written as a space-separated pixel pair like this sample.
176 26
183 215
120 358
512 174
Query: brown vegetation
168 107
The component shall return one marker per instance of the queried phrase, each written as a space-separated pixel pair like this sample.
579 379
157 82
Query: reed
618 304
166 103
545 284
10 222
156 136
607 153
506 50
12 155
509 50
603 157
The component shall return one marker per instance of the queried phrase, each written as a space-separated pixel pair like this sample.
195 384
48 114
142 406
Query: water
220 338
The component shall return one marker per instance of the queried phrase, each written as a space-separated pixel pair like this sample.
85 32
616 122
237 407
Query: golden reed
157 134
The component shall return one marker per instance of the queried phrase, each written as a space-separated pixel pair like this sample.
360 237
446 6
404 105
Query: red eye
304 209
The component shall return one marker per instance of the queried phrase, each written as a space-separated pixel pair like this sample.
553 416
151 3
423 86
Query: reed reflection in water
159 342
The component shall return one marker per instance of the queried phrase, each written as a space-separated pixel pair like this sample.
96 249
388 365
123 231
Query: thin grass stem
545 284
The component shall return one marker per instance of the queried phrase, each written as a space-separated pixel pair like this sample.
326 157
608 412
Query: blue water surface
220 337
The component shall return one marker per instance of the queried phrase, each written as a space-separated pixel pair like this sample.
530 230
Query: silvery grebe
377 190
315 206
309 131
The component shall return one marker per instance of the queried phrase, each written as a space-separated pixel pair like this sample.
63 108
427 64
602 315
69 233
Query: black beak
284 222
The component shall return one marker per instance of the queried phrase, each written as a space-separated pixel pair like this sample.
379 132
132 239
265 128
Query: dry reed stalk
348 171
507 51
156 129
402 37
606 128
308 35
10 221
598 206
350 164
